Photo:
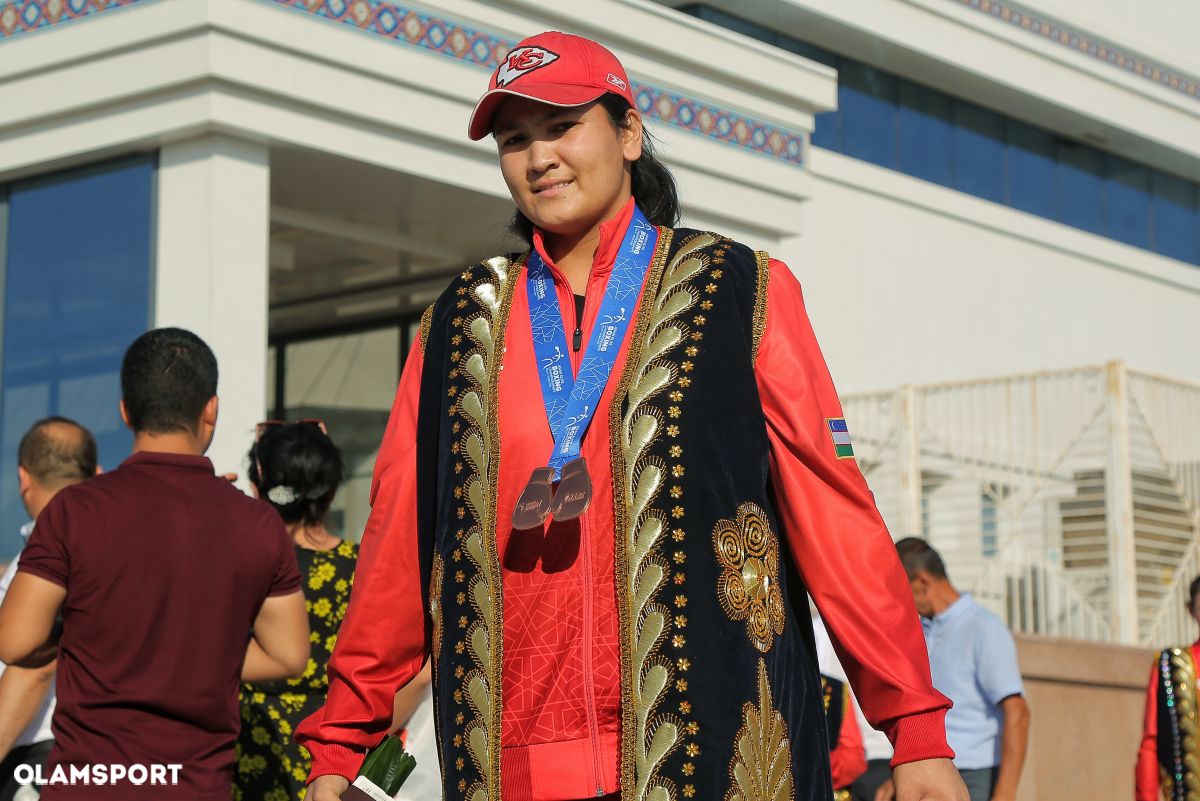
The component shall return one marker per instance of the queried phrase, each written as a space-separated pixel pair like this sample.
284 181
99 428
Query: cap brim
552 94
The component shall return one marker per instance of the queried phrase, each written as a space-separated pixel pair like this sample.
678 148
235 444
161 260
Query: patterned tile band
21 16
416 28
1055 31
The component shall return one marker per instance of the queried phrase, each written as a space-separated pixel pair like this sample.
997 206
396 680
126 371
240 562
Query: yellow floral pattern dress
270 765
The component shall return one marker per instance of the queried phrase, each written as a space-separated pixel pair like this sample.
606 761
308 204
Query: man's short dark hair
1193 591
916 555
57 452
168 375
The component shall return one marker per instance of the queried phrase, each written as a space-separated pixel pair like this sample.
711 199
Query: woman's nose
543 155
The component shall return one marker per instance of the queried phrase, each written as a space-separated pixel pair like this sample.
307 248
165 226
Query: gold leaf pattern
480 440
638 479
749 585
762 762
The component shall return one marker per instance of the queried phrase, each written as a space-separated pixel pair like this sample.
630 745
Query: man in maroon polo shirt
171 586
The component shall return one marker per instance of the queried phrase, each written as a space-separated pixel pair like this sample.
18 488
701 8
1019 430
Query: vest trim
480 445
647 738
760 301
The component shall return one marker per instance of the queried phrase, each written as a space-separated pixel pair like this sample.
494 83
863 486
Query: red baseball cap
554 68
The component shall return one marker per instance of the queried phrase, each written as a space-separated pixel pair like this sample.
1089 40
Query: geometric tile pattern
416 28
22 16
1054 31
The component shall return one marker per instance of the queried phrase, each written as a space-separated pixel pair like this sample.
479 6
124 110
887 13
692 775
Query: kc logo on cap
521 61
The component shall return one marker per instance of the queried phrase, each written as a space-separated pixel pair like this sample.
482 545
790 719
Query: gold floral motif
762 763
749 586
638 479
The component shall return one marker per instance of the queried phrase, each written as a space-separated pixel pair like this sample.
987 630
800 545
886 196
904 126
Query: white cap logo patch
617 82
521 61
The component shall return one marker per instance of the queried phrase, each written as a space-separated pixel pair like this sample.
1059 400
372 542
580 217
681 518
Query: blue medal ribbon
571 400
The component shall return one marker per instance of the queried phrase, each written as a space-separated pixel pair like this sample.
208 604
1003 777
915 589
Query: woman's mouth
550 188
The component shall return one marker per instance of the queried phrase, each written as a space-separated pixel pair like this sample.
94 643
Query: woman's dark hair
652 183
297 469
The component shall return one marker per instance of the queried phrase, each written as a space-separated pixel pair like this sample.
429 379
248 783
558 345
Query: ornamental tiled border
409 26
22 16
1052 30
417 28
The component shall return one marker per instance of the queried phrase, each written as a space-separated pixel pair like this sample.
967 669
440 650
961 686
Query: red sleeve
46 554
847 760
841 546
381 645
1146 773
286 578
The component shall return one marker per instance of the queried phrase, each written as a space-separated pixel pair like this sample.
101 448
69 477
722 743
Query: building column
1118 511
211 272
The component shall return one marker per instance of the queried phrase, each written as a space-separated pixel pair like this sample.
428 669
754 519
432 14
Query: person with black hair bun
297 469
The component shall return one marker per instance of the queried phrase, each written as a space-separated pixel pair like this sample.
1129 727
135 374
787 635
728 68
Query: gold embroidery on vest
749 586
426 322
648 737
1184 676
436 573
762 756
479 445
760 302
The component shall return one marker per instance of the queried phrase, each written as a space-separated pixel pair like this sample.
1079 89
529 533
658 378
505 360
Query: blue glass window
1030 169
1127 197
979 151
926 131
77 268
894 122
1079 186
867 107
1176 219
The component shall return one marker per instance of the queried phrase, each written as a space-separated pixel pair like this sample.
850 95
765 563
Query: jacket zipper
588 598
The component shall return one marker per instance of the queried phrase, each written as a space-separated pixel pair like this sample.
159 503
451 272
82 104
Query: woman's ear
631 134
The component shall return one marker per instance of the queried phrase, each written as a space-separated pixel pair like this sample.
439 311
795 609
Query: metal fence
1066 501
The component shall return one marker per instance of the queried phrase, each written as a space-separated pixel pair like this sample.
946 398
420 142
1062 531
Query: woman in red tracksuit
637 636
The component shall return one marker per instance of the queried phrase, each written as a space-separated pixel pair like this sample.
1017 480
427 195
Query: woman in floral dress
297 469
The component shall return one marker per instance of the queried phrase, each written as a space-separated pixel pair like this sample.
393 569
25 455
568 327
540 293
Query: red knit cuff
919 736
338 760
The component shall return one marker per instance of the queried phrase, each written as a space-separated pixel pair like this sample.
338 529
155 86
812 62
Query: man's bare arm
28 635
22 691
1014 738
280 646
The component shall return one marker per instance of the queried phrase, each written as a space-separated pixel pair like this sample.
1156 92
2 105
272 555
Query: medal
533 507
571 399
574 493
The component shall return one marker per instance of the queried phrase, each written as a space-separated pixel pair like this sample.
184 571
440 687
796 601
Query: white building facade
966 189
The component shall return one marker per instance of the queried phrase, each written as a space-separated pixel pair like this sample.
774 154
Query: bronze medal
574 492
533 507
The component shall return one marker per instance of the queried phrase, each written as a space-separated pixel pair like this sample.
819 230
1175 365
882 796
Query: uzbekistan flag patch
841 437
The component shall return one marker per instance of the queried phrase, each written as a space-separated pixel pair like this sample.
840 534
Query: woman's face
566 168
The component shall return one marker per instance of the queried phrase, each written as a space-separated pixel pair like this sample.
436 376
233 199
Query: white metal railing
1067 501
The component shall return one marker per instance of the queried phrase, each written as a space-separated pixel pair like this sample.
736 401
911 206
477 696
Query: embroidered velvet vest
1178 733
721 699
